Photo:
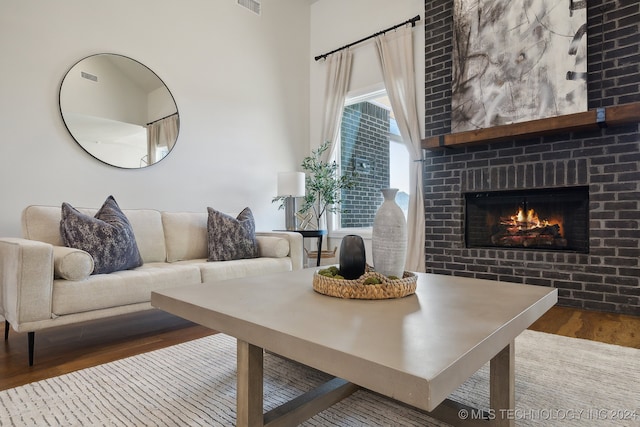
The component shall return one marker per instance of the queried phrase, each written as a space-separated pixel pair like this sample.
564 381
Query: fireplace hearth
553 219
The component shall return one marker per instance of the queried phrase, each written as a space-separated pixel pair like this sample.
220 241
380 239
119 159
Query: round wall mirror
119 111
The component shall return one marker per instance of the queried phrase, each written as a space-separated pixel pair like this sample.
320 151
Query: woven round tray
356 289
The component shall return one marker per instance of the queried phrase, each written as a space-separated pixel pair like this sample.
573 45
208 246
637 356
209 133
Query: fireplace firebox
553 219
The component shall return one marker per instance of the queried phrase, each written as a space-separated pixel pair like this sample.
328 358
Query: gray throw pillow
108 237
231 238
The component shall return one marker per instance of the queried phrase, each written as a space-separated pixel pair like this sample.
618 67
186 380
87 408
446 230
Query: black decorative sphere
353 259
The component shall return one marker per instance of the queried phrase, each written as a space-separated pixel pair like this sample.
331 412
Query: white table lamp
290 186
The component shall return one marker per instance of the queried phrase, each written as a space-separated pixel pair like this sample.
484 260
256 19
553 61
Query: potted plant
324 185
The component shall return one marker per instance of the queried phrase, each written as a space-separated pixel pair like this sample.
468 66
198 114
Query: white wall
240 82
335 23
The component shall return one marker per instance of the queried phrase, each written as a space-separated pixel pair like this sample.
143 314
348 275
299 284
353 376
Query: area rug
559 381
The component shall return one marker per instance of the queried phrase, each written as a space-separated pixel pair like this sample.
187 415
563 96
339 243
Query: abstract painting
517 60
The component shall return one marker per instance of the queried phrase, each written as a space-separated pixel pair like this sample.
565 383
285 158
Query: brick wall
365 130
607 160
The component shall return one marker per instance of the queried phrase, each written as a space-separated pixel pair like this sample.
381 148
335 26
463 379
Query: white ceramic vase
389 239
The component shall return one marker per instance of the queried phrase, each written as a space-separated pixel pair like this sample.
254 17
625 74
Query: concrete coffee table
416 349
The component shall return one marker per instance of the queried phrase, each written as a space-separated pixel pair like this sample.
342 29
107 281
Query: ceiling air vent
252 5
88 76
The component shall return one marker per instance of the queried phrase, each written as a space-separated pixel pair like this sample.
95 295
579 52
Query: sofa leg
31 338
6 330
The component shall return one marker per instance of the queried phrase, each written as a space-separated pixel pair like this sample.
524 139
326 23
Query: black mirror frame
74 137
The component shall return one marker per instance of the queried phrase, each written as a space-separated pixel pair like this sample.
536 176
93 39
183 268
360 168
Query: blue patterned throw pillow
108 237
231 238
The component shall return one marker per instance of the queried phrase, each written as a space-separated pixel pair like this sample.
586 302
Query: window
370 144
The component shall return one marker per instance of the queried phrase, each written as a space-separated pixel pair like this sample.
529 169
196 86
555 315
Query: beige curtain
395 50
161 133
338 74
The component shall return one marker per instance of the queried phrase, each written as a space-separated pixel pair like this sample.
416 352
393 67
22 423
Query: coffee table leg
502 387
250 382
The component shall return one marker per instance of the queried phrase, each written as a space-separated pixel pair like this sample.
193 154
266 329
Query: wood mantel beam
592 119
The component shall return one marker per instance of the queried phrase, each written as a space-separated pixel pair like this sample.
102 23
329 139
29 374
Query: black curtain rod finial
411 21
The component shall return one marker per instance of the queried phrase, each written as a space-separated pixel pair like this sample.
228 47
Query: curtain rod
165 117
411 21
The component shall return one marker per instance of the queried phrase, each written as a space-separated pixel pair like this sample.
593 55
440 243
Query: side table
312 234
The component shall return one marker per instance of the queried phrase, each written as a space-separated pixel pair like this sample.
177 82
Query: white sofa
173 245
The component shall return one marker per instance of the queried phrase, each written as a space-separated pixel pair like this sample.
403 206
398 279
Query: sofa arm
295 246
26 279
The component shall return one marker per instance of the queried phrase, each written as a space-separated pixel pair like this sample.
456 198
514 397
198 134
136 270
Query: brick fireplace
605 275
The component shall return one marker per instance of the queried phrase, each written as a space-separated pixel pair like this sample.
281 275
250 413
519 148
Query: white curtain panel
162 133
338 73
395 50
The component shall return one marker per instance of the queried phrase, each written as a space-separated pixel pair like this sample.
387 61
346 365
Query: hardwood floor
70 348
592 325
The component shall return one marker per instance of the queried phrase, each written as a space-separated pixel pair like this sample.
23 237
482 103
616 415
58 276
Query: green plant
323 184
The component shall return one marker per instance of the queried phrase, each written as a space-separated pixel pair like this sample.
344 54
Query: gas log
524 234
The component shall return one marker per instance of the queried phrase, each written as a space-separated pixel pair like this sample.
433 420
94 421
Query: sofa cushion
185 235
212 272
42 223
272 246
147 227
108 236
101 291
71 264
231 238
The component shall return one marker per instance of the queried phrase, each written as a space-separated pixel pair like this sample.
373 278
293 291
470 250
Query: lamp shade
291 184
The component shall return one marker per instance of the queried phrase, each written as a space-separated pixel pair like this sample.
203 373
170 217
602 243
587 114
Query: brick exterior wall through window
365 139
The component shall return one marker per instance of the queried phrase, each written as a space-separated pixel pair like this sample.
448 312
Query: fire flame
528 219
